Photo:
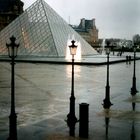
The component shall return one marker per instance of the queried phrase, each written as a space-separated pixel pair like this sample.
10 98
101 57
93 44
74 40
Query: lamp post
106 101
133 89
71 118
12 52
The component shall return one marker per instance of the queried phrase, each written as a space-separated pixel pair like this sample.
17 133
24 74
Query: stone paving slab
124 122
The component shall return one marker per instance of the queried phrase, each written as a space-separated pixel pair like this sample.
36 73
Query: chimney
93 20
83 23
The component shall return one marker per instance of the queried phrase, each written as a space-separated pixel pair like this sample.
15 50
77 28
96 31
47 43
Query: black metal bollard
83 120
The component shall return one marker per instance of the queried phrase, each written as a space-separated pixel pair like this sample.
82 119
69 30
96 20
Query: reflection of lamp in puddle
77 70
107 124
71 118
133 136
133 106
107 119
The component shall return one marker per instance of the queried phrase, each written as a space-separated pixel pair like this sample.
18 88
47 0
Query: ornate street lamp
134 89
12 52
106 101
71 118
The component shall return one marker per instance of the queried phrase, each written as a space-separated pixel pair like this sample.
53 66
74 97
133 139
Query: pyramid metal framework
41 32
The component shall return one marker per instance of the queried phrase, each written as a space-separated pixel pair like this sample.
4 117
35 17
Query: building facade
87 29
9 10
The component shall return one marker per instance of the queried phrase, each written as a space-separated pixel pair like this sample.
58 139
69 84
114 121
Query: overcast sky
114 18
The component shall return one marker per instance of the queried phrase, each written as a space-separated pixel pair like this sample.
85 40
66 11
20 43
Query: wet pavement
42 101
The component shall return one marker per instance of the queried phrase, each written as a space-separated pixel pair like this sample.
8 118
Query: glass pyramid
41 32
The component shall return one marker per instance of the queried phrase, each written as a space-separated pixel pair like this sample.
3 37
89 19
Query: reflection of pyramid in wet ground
41 32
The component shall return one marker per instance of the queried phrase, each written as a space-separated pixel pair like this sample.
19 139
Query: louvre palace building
88 30
9 10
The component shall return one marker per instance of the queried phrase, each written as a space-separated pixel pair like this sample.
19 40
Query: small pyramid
42 32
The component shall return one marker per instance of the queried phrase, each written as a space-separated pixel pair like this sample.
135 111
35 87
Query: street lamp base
133 91
71 122
71 119
106 104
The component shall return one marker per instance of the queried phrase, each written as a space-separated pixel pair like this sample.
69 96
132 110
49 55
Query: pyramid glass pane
41 32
